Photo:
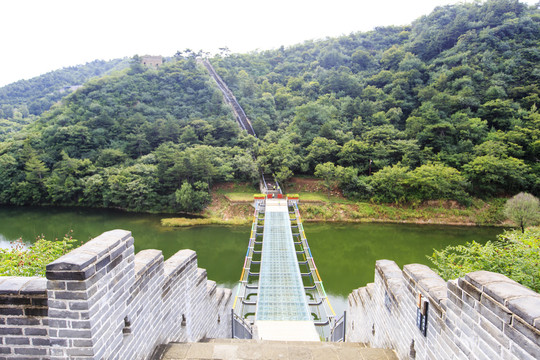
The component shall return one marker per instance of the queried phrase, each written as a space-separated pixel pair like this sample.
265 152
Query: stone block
388 269
201 276
435 287
492 317
76 285
501 311
453 287
36 312
530 332
40 301
178 262
71 275
22 321
31 351
17 341
520 354
527 308
71 295
494 332
57 323
114 263
103 262
481 278
469 288
522 341
55 285
35 331
488 339
111 239
14 300
486 350
41 342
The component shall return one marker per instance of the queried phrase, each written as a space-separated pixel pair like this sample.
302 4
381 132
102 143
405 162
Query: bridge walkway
280 295
282 311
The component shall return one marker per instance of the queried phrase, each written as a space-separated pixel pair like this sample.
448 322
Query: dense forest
22 101
445 108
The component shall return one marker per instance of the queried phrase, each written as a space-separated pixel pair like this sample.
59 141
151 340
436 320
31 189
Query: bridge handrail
311 262
241 291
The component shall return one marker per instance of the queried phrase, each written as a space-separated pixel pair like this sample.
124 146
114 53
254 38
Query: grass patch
185 222
239 196
313 197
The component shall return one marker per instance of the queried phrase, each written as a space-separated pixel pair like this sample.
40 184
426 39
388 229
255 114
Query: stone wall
103 301
481 316
152 61
24 328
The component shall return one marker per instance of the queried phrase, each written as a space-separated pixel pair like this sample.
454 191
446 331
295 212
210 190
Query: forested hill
142 139
22 100
445 108
39 93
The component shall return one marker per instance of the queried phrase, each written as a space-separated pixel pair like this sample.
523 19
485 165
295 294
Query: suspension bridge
280 295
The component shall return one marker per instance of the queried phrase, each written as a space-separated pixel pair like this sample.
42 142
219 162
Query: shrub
18 260
514 254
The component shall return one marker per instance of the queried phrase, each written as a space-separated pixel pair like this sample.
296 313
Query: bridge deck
282 302
281 290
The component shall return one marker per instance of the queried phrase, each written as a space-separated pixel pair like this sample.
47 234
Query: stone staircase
226 349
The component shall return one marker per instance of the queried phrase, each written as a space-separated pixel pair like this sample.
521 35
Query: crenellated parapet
483 315
102 300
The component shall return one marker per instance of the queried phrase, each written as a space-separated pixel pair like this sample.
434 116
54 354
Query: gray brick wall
481 316
101 301
24 331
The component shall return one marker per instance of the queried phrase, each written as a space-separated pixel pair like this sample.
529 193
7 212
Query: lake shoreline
225 211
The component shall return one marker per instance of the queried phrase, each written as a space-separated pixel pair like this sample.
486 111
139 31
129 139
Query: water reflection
345 254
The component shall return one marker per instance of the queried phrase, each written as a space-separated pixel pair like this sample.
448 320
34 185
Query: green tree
327 172
514 254
437 181
523 209
35 170
390 184
492 175
192 198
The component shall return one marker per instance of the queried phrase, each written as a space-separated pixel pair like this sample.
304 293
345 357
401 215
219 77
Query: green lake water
345 254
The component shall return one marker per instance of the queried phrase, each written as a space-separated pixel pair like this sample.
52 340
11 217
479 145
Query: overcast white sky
38 36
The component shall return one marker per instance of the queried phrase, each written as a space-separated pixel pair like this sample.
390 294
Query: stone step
228 349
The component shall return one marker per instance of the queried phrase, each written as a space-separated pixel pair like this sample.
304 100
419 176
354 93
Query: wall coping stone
436 288
178 261
502 292
144 260
418 272
211 287
201 275
429 281
37 285
481 278
19 285
389 268
86 255
527 308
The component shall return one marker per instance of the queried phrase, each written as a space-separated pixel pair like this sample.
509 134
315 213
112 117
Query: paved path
228 349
